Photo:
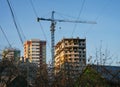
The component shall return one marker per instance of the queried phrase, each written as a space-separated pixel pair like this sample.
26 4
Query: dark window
83 55
80 59
65 51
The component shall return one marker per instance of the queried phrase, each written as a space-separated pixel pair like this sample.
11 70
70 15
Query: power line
98 16
5 36
18 23
19 26
34 10
78 17
22 32
13 16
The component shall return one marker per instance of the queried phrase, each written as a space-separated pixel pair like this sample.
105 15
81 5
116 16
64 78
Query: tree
19 81
90 78
42 77
8 71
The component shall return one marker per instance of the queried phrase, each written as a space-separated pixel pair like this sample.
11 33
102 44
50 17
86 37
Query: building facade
70 56
35 50
11 53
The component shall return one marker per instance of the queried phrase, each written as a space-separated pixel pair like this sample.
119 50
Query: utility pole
53 23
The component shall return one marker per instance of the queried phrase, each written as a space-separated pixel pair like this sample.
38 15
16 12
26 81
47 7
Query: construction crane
53 23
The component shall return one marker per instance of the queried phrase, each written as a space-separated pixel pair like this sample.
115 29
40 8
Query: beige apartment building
70 56
11 54
35 50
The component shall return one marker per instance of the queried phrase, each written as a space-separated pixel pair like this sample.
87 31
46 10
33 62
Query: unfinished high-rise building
70 56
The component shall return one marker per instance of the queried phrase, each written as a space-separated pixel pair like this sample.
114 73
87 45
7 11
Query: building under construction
70 56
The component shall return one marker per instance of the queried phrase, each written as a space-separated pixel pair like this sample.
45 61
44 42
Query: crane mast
52 37
52 29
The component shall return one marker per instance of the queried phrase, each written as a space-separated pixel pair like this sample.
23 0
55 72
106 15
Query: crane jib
72 21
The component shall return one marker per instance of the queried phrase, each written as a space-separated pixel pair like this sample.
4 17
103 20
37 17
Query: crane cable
5 36
39 22
97 17
78 18
64 15
13 16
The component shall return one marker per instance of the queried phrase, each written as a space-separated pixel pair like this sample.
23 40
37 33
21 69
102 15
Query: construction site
59 50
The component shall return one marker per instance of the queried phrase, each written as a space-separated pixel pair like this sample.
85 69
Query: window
83 55
80 59
65 51
65 43
75 43
65 55
83 44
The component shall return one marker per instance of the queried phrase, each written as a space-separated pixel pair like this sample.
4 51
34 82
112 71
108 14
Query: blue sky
105 12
